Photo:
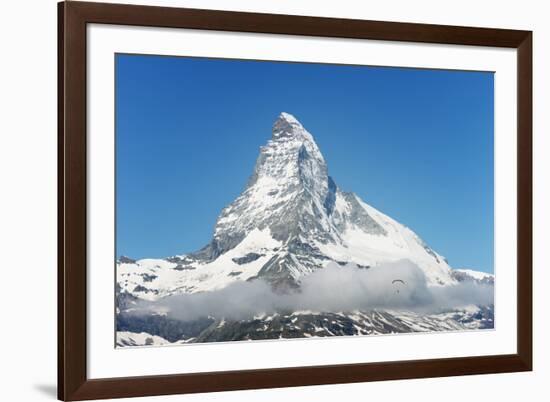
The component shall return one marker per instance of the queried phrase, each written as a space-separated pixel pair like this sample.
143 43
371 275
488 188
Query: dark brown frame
73 383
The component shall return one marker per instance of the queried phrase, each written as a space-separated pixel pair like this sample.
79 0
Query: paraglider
398 281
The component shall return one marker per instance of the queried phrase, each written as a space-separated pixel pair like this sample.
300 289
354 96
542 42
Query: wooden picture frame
73 382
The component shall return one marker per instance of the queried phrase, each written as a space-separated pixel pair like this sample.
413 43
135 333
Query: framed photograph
254 200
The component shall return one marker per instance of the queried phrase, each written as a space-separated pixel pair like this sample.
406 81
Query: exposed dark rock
140 288
247 258
148 277
126 260
181 267
167 328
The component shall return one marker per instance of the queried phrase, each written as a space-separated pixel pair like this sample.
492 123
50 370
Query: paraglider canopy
397 286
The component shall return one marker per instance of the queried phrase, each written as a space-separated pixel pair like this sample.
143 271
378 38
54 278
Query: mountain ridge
291 219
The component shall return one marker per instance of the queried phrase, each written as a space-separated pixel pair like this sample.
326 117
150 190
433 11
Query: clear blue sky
416 144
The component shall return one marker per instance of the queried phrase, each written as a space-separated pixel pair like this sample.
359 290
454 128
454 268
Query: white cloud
397 285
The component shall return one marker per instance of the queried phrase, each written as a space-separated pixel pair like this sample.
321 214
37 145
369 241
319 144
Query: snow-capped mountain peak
287 125
290 220
290 182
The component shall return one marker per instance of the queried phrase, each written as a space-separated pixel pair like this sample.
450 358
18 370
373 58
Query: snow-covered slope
150 279
290 220
462 275
125 338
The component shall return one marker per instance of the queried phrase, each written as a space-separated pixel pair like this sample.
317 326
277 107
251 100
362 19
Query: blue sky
416 144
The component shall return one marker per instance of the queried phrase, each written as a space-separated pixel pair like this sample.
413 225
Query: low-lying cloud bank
397 285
